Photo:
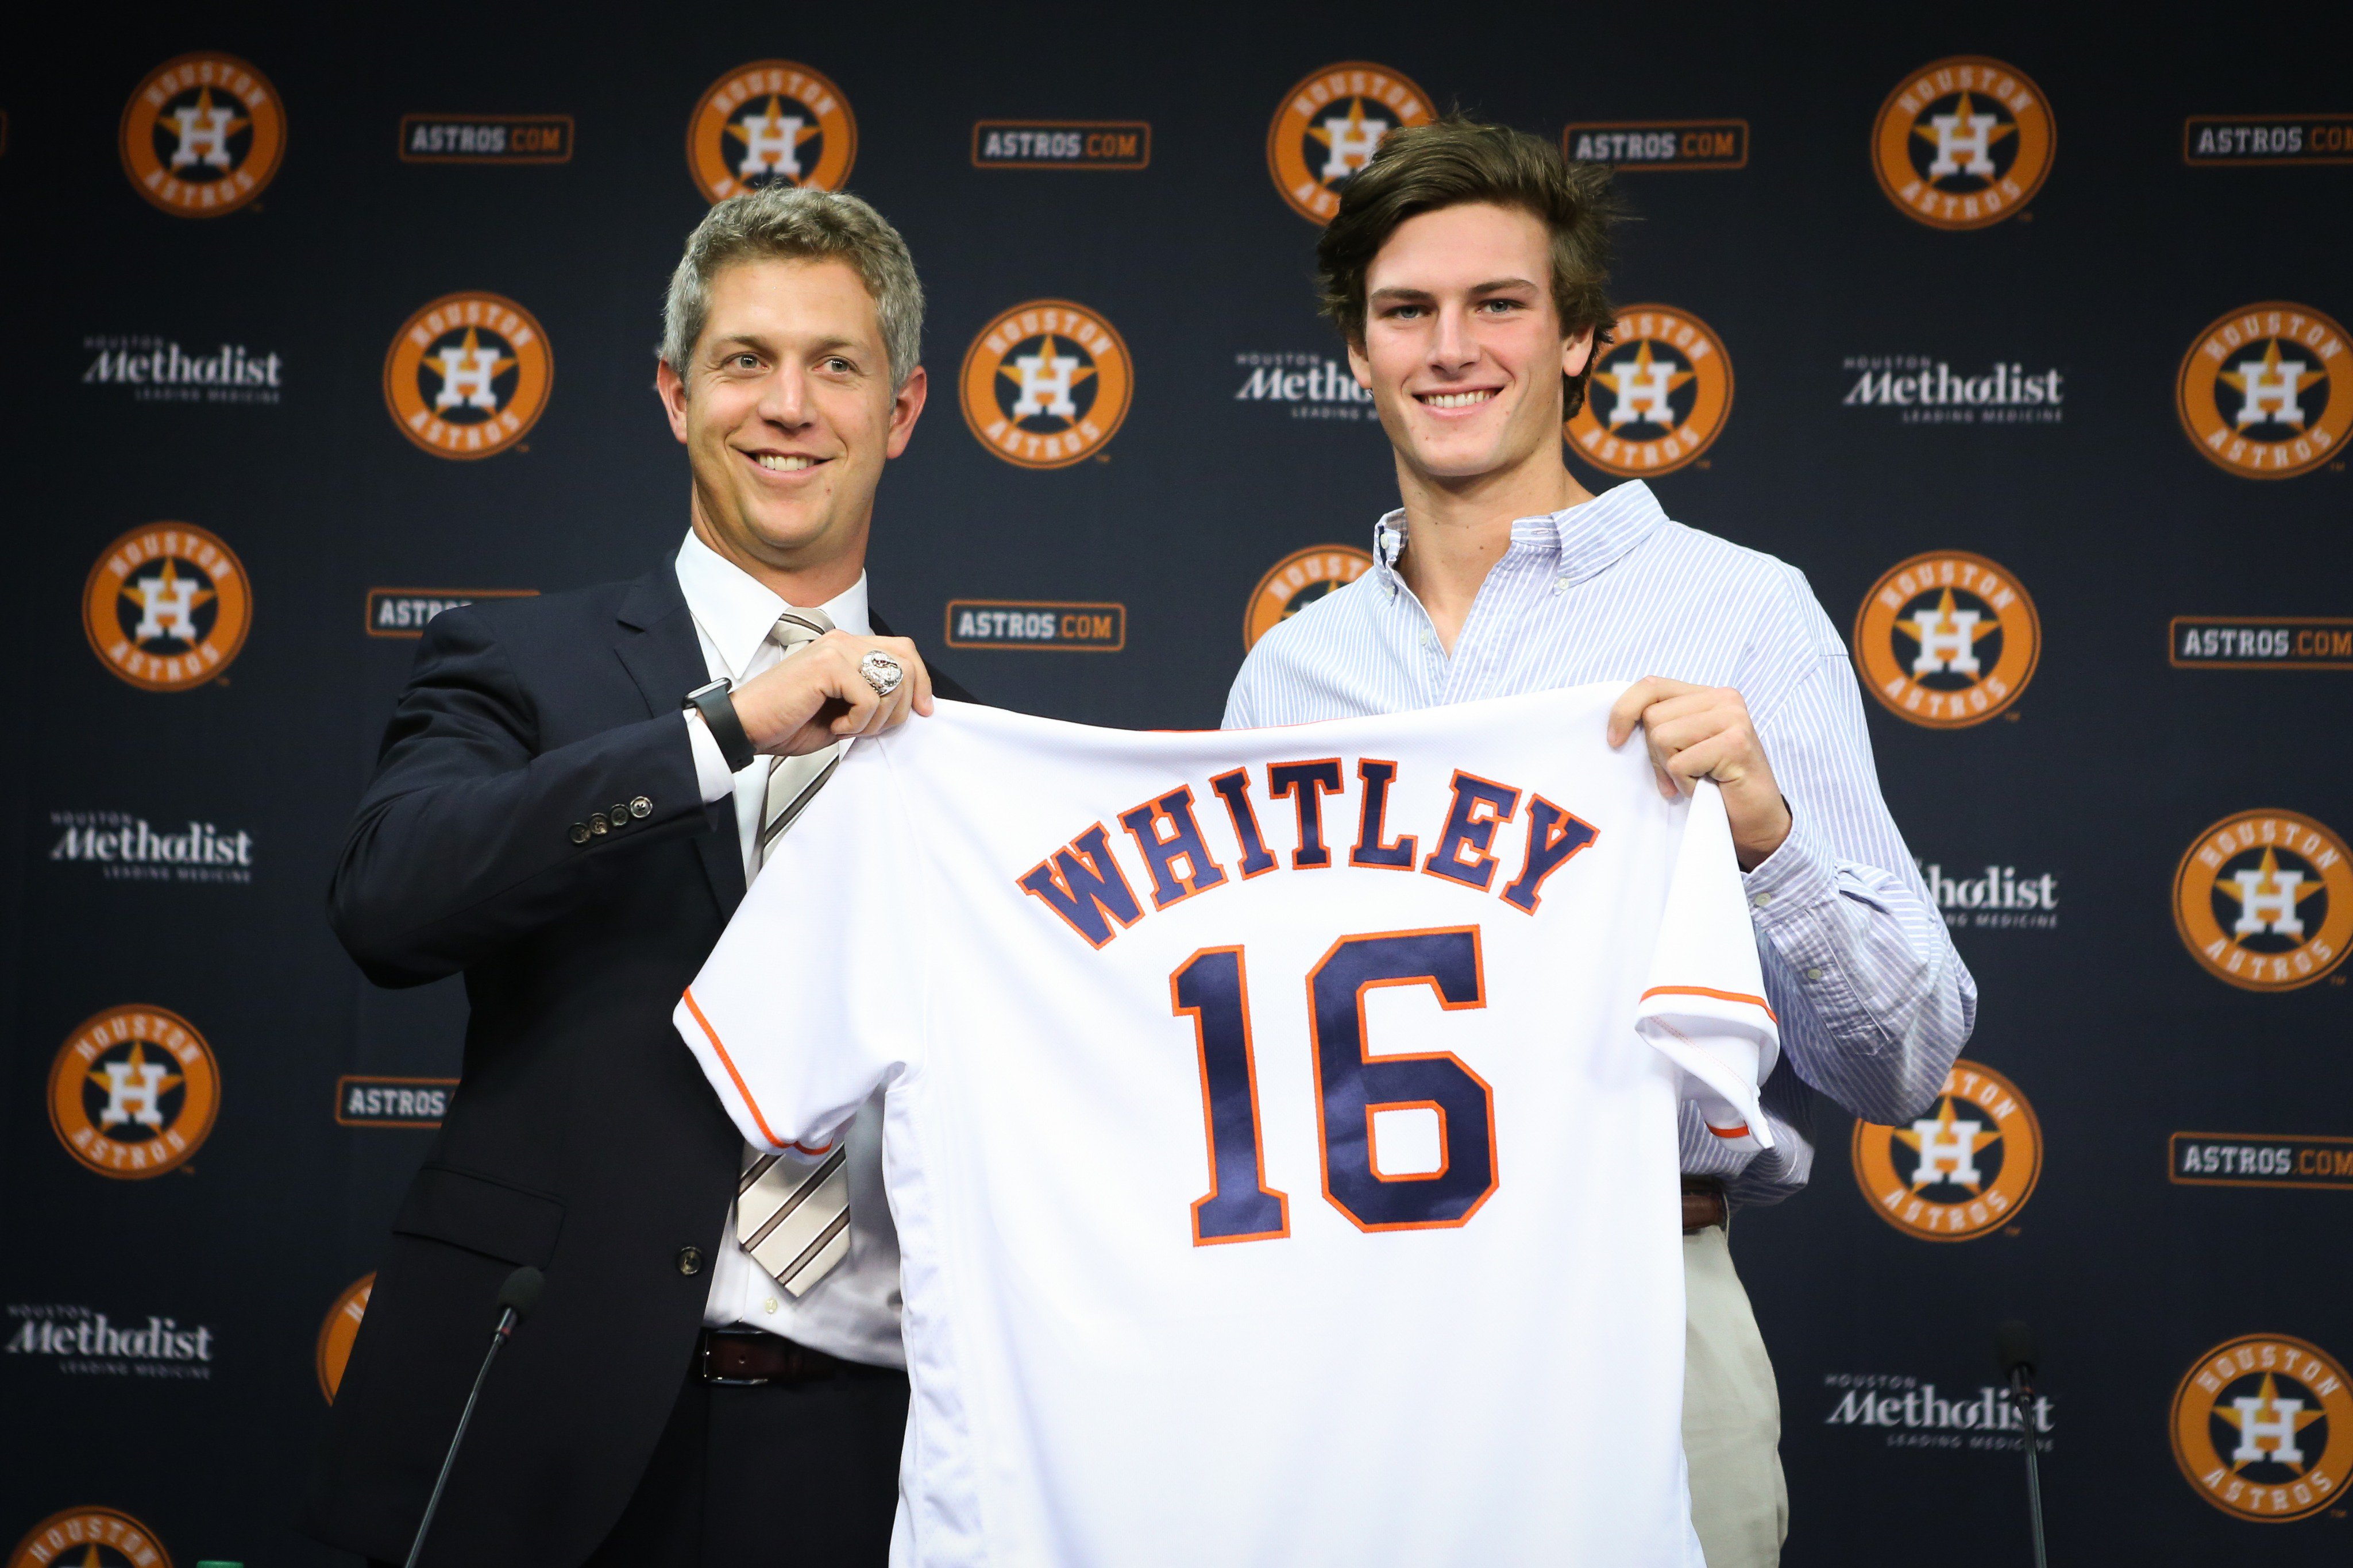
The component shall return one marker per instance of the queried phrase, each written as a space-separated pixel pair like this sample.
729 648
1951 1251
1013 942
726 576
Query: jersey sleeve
1703 1003
815 994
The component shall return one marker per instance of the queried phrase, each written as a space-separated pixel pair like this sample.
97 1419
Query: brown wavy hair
1453 160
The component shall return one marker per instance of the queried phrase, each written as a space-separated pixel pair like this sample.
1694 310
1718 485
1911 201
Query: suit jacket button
641 807
596 823
690 1260
621 815
579 833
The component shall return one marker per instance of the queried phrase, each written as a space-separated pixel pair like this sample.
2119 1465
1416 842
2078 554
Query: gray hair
794 223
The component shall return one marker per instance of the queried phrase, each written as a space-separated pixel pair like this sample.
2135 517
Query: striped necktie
792 1215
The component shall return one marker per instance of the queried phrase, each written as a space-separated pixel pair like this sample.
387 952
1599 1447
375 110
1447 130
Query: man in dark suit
572 796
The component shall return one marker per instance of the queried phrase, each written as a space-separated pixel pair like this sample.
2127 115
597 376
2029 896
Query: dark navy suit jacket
582 1138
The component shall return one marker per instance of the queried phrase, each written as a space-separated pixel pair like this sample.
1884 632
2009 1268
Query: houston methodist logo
1658 397
2264 900
1297 581
82 1537
167 606
340 1332
1963 142
468 375
1946 640
203 136
134 1091
772 122
1960 1171
1046 384
2262 1428
2257 391
1326 132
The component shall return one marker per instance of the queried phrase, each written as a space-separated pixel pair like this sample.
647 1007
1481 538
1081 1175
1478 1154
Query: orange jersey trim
1671 991
740 1087
1739 1131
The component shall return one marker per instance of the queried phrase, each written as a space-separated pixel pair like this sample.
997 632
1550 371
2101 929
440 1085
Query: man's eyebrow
1398 292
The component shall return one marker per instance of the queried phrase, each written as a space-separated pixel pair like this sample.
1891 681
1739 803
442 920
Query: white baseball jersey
1281 1124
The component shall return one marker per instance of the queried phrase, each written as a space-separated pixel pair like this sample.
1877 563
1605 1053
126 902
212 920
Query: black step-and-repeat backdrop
2021 337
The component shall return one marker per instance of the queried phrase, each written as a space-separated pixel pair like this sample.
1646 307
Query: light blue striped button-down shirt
1873 1002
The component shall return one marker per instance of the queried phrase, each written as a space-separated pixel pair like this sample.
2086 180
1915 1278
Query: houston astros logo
2262 1428
772 122
203 136
167 606
1946 640
1297 581
1963 142
337 1334
468 375
134 1091
1961 1170
2264 900
90 1538
1658 397
1326 132
1046 384
2258 391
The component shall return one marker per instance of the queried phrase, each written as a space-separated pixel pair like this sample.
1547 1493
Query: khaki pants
1732 1414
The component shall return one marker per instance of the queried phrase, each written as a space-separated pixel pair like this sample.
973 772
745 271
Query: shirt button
619 815
641 808
690 1260
1559 583
769 1305
1813 974
1761 899
596 823
579 833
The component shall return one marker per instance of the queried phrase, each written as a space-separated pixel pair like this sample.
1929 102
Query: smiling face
1463 349
788 414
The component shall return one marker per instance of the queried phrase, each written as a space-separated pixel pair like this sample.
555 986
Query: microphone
2013 1349
518 1298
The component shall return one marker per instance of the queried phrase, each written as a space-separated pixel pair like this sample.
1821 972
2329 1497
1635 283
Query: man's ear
1359 365
1576 353
671 390
906 408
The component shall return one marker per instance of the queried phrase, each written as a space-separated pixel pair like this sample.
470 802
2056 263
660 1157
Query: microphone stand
517 1295
2021 1399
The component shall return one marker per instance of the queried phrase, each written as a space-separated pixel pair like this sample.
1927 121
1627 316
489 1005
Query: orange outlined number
1213 989
1353 1083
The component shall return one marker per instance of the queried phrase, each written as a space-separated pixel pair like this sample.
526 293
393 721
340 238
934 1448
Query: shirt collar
1587 537
736 611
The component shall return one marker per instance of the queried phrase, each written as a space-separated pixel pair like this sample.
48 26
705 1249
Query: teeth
1457 399
784 465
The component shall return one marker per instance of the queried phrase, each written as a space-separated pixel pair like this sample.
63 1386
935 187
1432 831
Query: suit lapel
655 642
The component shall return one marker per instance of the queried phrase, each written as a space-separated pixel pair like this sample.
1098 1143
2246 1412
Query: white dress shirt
852 1313
1874 1001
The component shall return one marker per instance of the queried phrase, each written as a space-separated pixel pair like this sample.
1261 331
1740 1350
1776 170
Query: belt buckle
709 1376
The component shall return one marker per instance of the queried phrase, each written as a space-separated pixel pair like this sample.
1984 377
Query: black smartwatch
718 713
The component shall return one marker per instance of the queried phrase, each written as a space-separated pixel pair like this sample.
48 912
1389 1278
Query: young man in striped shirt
1467 270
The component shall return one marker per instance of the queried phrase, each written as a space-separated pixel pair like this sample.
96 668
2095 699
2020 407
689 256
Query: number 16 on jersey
1212 988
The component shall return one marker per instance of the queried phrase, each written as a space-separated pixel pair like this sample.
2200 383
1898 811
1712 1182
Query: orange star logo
772 124
2257 382
2268 1416
1962 111
1939 621
1930 1145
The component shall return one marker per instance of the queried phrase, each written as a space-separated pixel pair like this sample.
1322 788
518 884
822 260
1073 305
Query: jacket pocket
480 1215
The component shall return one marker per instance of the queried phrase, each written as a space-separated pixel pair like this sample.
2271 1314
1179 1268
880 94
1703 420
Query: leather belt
748 1358
1703 1203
